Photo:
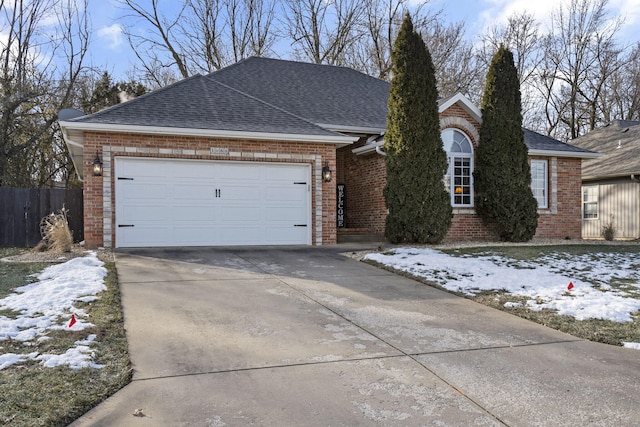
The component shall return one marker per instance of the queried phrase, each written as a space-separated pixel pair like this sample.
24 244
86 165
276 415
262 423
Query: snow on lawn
544 282
48 304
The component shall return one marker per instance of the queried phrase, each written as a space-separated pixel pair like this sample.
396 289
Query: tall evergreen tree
502 176
418 203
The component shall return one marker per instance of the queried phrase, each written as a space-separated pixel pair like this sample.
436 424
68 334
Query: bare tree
197 36
40 61
323 31
522 37
377 30
454 60
250 24
580 55
160 47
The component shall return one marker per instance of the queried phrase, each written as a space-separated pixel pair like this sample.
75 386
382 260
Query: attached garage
171 202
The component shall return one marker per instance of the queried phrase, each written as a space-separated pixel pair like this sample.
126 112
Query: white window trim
596 202
545 188
450 159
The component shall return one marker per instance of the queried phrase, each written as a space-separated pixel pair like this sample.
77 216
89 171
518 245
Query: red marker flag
570 286
73 320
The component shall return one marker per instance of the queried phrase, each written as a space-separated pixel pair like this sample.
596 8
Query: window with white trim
539 182
590 202
459 177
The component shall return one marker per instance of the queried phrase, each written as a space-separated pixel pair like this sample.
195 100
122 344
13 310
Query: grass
603 331
33 395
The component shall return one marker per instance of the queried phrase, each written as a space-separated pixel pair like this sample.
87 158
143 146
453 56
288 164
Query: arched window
459 178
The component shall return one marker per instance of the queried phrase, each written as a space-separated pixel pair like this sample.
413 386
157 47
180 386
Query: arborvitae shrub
418 203
502 175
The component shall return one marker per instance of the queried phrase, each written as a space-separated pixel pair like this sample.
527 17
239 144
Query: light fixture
326 172
97 166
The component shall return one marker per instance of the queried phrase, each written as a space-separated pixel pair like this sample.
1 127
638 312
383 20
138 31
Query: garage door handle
303 183
299 225
125 225
121 178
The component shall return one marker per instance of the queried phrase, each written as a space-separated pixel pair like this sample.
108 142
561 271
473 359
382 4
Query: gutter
339 140
571 154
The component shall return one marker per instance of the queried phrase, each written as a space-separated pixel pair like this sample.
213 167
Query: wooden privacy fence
22 209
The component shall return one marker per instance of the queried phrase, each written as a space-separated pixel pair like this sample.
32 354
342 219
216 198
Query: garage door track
300 336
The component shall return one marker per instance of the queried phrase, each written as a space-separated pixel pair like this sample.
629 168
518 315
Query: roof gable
462 101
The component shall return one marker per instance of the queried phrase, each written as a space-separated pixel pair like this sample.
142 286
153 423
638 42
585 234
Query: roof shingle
619 142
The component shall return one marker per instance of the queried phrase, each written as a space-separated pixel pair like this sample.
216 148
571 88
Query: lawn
61 372
589 291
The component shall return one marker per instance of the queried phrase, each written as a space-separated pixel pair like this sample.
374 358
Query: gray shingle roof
619 142
322 94
203 103
274 96
537 141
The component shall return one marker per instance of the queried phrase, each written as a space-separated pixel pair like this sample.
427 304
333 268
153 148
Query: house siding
99 200
619 204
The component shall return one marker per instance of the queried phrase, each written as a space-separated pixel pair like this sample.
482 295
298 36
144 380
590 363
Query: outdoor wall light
97 166
326 173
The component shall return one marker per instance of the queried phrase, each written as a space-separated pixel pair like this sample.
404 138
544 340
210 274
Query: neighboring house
238 157
611 183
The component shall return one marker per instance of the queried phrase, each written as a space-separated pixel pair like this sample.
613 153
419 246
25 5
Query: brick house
240 157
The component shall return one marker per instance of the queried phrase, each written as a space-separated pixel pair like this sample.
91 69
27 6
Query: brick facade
99 200
365 175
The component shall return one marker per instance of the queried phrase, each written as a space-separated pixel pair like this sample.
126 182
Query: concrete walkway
307 337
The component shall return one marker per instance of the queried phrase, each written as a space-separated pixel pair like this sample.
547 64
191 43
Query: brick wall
99 201
563 217
364 176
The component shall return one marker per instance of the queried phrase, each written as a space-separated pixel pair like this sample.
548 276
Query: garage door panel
150 170
202 203
191 235
204 193
179 214
239 192
140 190
148 213
291 215
291 193
195 171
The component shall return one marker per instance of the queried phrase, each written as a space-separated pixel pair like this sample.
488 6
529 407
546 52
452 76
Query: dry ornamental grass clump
54 229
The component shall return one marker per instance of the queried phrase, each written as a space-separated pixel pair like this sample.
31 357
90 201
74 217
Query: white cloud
496 12
111 35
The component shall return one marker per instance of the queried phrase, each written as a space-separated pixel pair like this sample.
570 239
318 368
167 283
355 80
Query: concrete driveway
307 337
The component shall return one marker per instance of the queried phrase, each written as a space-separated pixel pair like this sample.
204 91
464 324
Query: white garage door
162 202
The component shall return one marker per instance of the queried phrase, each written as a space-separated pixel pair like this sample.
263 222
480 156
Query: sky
110 48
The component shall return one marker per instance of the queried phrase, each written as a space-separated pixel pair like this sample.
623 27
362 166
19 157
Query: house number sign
340 195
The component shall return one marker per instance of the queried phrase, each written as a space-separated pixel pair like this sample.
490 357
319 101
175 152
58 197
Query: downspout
379 150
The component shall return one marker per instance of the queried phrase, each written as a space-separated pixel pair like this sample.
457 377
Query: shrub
502 176
415 195
54 229
609 230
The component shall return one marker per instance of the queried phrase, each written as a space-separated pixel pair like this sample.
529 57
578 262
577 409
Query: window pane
590 202
458 179
539 182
